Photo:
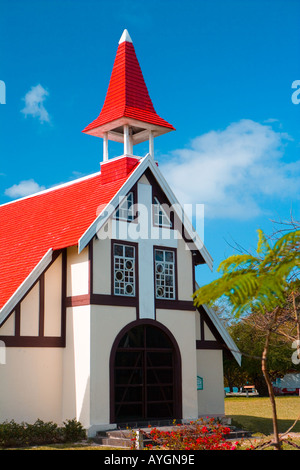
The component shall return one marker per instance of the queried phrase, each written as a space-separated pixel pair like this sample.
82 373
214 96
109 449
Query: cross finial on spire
125 37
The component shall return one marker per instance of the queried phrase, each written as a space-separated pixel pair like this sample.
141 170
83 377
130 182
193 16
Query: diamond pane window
125 210
160 216
165 274
124 270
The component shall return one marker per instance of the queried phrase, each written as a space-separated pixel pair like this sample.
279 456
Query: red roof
55 219
127 94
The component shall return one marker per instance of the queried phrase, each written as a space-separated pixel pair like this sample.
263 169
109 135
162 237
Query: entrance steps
124 436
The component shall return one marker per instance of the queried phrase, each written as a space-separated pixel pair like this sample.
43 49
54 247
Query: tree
249 336
260 283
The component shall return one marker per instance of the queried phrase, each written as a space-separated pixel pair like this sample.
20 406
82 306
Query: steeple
128 114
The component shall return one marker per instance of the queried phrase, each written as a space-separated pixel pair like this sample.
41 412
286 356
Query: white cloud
34 103
231 171
24 188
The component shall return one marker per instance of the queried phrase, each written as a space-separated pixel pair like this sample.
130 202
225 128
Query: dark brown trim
63 297
101 299
17 321
208 344
172 304
33 341
218 343
205 318
194 256
41 304
78 300
177 365
91 267
202 336
121 300
40 340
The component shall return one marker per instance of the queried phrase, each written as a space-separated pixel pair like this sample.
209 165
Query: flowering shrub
197 435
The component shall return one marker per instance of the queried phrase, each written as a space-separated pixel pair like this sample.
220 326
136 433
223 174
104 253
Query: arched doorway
145 370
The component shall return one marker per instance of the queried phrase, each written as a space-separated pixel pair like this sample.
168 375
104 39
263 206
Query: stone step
118 438
123 437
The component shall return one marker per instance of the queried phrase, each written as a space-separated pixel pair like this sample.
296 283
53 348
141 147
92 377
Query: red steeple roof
127 95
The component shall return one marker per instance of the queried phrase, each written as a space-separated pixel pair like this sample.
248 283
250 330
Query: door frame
177 366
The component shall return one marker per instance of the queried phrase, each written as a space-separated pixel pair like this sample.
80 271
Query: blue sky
221 71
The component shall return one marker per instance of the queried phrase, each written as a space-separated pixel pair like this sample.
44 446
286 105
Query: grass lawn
255 414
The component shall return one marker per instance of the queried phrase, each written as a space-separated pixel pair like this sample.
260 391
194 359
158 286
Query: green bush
13 434
73 431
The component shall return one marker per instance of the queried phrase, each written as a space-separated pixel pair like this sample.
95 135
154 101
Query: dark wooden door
144 375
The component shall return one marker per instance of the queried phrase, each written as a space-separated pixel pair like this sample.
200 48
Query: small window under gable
126 208
159 214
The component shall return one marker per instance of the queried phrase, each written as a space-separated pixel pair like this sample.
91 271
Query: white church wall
31 385
182 325
76 365
29 318
77 271
210 369
106 323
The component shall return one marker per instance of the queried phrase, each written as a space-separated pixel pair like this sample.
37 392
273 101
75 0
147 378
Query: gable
148 167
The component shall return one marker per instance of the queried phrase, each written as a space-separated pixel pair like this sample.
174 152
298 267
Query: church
96 284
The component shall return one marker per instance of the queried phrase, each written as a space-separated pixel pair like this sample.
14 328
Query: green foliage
256 282
14 434
251 341
73 431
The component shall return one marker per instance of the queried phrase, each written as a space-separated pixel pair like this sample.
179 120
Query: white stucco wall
77 271
29 313
31 385
76 365
31 378
182 325
106 323
210 368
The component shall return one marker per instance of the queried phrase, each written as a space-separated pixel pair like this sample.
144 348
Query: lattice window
165 274
124 270
159 214
125 210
